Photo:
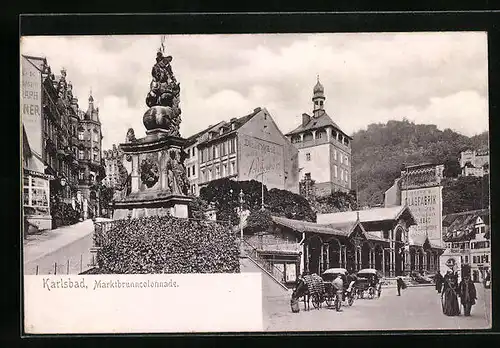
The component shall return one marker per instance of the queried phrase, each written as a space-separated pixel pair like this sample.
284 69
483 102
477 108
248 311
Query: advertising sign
259 156
31 104
426 206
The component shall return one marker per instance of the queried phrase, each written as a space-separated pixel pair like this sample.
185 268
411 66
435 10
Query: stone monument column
158 181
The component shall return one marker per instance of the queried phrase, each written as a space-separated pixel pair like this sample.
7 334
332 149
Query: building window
202 178
232 168
335 156
80 154
319 135
188 172
81 135
193 172
232 145
346 160
214 152
209 174
308 156
341 158
335 170
466 259
96 156
217 172
224 170
95 136
486 259
36 194
341 174
224 148
346 178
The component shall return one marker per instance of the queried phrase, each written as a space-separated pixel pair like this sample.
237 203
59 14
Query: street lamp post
262 189
241 215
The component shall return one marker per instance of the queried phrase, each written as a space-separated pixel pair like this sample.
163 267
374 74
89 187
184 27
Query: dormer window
233 126
221 131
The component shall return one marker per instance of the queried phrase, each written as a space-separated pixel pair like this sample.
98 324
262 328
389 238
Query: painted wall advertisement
31 104
426 205
257 156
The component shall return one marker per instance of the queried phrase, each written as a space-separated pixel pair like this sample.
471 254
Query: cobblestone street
417 308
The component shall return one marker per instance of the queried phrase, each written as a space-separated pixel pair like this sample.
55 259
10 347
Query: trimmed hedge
165 244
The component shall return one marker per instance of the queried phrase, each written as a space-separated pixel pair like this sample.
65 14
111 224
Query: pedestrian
439 282
467 293
338 285
401 285
449 297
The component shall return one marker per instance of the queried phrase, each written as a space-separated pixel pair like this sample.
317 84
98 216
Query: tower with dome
324 149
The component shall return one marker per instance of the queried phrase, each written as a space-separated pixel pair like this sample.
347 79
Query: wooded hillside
380 151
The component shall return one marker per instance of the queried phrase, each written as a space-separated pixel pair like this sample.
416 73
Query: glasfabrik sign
426 205
31 104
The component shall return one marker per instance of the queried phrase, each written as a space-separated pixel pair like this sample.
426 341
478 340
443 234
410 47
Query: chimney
305 119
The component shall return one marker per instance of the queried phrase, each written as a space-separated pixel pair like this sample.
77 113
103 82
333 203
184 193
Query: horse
302 290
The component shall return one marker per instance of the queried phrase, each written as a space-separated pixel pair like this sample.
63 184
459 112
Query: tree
225 195
465 193
452 168
197 208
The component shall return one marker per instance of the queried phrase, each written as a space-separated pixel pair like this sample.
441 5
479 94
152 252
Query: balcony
282 247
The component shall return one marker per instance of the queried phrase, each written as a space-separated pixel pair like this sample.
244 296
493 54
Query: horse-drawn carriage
320 289
368 283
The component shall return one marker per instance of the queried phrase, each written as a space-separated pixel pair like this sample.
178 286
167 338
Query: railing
295 247
268 266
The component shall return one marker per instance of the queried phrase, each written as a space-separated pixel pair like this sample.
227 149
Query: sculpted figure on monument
150 172
177 179
163 98
130 136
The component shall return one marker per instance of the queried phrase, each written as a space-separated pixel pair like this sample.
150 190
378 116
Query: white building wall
316 160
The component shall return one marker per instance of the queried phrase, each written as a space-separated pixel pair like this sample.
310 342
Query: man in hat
467 291
338 285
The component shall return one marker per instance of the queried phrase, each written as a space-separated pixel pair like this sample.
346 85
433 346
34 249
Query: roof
305 226
374 237
238 123
26 145
321 121
369 215
461 225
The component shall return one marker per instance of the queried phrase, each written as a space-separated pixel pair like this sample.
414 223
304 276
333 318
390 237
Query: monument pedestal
158 182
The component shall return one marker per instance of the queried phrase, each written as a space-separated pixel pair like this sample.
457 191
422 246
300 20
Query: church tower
90 152
318 99
324 149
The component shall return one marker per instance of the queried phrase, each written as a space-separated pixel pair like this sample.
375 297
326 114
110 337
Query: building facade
467 236
375 238
113 158
246 148
324 149
475 163
55 127
419 187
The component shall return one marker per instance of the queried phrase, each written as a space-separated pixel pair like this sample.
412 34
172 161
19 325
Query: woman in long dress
449 297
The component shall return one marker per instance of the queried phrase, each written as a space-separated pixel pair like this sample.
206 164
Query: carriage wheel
316 300
371 292
329 300
350 300
361 293
338 304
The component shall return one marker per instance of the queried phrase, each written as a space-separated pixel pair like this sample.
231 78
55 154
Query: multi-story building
54 127
420 188
324 149
467 235
247 148
112 160
475 163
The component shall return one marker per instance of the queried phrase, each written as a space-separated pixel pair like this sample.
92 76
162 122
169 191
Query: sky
436 78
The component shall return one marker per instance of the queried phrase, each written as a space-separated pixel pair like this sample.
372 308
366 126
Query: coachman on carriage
369 283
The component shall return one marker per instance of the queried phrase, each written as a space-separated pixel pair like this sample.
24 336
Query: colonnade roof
368 215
